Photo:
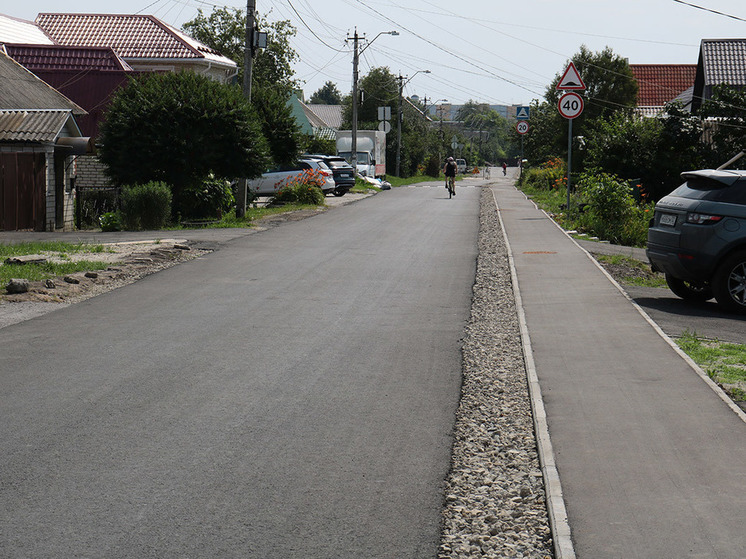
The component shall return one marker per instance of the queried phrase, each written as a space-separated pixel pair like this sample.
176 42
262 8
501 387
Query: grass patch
724 363
631 271
56 247
37 272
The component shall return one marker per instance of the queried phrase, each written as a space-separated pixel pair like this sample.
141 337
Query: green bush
304 189
432 169
211 199
551 175
146 206
612 213
109 222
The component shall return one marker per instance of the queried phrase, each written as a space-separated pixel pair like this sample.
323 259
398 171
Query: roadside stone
49 284
26 259
91 275
17 286
71 279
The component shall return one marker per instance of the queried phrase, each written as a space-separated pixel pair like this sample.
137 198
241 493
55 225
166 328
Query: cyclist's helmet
450 159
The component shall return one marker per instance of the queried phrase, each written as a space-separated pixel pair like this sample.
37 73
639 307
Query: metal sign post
570 106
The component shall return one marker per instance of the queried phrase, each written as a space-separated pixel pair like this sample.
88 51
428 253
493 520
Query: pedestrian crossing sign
522 113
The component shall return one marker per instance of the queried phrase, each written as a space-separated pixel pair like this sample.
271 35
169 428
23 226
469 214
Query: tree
725 118
272 72
179 129
327 95
278 125
488 131
610 84
224 30
610 87
378 88
652 152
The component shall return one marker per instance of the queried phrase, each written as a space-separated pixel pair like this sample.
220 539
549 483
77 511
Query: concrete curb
558 521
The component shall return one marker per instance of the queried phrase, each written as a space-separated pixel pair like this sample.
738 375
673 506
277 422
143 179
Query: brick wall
90 172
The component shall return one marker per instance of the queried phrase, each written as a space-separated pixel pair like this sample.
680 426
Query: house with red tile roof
659 84
143 41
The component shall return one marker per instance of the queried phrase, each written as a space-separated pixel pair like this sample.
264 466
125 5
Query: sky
489 51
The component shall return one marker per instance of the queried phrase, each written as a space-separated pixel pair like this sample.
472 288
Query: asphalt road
291 395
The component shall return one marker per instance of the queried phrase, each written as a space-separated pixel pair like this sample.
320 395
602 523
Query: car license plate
668 219
345 175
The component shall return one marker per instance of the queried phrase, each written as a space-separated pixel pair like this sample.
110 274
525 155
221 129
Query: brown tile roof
73 59
661 83
130 36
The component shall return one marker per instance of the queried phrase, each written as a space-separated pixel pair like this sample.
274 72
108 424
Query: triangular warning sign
571 79
522 113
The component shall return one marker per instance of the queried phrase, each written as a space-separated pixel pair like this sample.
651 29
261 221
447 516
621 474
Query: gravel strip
495 503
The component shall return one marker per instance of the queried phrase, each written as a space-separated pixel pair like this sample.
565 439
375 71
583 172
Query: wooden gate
22 191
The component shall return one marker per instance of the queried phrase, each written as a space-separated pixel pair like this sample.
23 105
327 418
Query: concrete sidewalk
651 459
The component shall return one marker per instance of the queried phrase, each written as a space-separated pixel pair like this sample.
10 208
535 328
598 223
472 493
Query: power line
709 10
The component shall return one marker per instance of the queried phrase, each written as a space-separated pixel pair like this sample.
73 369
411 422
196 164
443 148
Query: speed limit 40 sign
570 105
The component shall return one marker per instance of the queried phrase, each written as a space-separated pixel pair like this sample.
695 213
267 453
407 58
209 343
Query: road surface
291 395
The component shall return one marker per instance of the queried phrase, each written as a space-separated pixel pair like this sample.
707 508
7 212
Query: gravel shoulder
495 504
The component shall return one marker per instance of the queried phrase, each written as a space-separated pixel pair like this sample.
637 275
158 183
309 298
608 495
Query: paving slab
651 457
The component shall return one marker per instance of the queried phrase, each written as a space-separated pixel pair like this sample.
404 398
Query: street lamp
355 60
402 83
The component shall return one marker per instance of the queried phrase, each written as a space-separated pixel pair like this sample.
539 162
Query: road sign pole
569 161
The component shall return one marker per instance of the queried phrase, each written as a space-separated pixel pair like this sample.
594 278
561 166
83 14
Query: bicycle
451 186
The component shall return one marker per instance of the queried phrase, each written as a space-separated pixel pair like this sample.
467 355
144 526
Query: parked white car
305 170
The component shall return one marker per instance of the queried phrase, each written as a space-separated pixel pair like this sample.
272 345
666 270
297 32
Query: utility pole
355 78
248 61
402 83
355 61
399 119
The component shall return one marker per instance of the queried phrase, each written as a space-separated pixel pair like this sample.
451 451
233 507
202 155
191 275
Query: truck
371 151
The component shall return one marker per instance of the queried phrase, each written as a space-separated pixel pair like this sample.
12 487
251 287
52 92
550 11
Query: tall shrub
146 206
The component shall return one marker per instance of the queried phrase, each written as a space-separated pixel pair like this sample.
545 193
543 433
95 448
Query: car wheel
687 290
339 192
729 282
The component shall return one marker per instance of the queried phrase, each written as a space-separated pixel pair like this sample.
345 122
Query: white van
461 165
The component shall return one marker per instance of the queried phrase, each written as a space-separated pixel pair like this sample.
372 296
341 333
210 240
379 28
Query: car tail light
702 219
326 173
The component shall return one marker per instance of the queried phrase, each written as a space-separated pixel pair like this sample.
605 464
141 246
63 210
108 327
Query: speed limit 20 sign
570 105
522 127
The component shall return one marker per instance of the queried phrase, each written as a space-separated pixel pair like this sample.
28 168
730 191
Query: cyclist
450 172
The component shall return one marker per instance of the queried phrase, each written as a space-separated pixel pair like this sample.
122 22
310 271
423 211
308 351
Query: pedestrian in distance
505 168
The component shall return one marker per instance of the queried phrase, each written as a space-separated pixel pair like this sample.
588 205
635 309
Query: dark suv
698 238
344 174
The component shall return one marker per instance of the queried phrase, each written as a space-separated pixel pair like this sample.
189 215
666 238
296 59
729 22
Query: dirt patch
128 262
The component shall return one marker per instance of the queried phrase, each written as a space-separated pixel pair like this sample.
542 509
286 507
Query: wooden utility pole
248 62
355 77
399 120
